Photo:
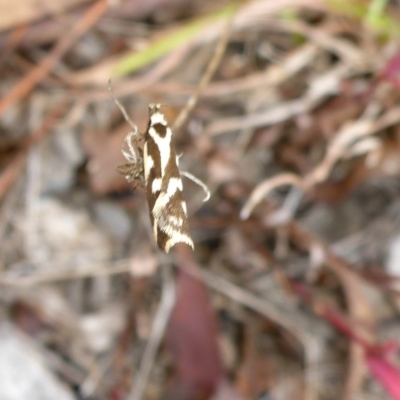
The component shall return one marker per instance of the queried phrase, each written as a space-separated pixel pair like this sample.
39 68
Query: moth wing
170 222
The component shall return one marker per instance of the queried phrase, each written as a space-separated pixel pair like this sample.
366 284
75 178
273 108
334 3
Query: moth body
168 212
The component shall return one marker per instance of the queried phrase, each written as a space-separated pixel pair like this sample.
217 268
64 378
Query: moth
156 167
162 178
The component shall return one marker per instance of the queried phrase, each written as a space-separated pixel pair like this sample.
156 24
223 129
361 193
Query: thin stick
121 107
156 335
13 169
261 306
208 74
38 73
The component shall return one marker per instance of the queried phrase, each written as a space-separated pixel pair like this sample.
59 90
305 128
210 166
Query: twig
251 13
50 274
351 140
208 74
14 38
157 332
320 88
261 306
29 81
13 169
121 107
266 187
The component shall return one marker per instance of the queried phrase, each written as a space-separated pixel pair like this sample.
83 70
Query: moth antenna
121 107
198 182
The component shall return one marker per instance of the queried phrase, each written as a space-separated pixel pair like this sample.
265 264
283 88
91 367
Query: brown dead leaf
192 339
105 155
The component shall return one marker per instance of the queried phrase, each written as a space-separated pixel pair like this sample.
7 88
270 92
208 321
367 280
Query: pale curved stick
343 141
266 187
364 146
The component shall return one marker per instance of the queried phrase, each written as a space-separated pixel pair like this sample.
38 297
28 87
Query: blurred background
292 291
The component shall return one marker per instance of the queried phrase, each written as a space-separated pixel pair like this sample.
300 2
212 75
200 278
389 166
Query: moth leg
133 170
131 140
194 179
198 182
